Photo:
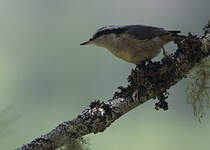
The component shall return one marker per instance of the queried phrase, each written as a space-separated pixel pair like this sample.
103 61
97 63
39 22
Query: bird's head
104 36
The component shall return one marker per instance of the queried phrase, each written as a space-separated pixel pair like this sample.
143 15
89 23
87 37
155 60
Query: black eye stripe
108 31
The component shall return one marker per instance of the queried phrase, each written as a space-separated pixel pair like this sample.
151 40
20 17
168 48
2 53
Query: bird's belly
135 51
126 55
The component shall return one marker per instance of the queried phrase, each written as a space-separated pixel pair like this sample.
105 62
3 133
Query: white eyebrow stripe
111 27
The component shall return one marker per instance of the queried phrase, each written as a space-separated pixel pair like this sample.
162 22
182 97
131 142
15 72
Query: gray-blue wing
142 32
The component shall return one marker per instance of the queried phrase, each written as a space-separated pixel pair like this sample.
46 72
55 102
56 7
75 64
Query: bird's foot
165 53
143 64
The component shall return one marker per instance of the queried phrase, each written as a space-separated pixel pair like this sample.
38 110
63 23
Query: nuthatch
133 43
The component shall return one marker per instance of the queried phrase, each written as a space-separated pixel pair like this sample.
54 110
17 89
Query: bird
134 43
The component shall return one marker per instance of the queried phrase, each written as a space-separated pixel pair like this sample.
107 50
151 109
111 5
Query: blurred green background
47 78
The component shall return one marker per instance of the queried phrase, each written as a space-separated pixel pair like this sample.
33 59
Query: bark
147 81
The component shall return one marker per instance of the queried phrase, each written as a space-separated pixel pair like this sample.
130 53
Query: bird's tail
176 35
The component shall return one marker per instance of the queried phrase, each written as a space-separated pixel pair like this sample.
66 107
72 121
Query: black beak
86 42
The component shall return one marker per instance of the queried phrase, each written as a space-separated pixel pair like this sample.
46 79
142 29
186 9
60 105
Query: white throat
107 41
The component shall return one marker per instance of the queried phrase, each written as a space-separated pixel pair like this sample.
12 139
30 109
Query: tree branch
147 81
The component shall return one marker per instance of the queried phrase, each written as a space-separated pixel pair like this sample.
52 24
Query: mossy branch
147 81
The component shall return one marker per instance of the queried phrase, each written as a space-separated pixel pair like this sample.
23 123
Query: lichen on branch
199 88
152 80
